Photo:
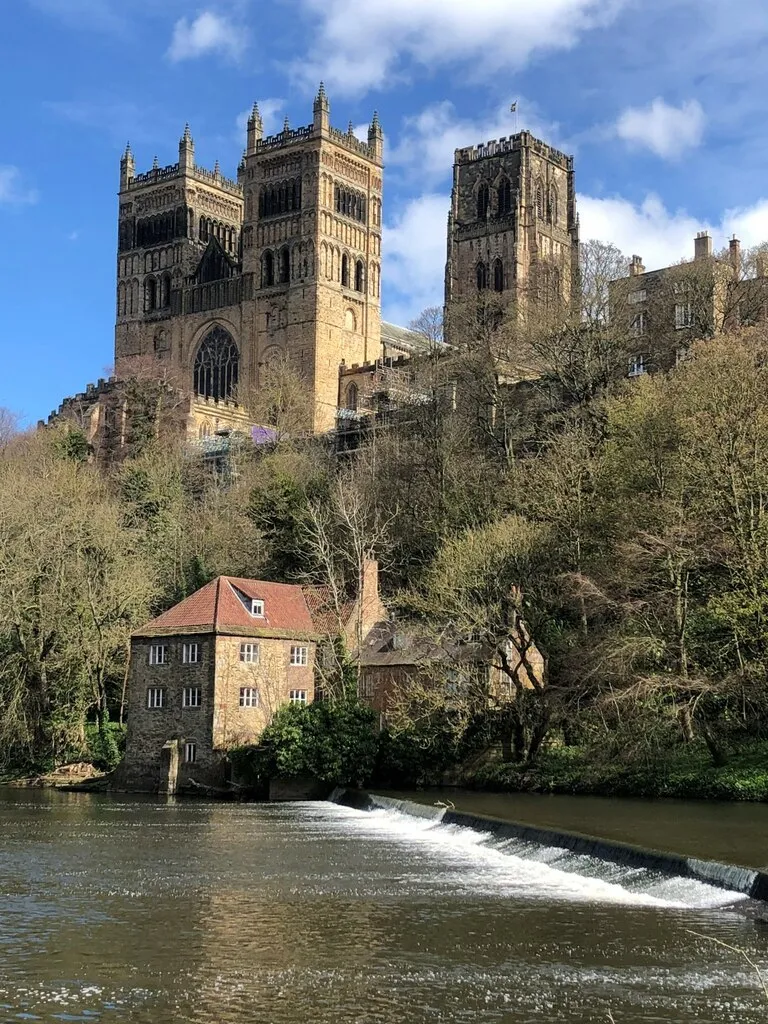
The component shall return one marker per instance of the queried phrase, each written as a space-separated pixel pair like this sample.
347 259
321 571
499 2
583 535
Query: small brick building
208 675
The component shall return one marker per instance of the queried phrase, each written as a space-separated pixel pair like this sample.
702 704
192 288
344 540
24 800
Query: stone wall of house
272 676
150 728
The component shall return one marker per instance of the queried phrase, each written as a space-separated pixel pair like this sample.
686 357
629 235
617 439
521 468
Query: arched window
483 201
165 291
552 205
498 276
216 365
505 197
267 269
285 265
359 276
540 201
345 270
352 397
482 277
150 294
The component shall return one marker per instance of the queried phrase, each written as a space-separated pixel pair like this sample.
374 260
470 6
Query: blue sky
664 104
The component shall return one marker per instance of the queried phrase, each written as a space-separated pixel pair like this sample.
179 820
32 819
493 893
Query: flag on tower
513 108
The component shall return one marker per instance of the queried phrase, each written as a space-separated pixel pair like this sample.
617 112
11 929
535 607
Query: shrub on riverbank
687 772
331 741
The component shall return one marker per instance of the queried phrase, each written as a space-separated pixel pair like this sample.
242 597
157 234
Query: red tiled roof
218 608
323 611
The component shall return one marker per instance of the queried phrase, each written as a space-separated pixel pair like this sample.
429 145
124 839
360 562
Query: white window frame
190 752
155 698
250 654
638 324
639 296
257 608
299 656
158 654
192 697
683 315
190 654
298 696
636 366
249 697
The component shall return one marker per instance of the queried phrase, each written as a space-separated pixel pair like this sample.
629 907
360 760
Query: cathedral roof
402 338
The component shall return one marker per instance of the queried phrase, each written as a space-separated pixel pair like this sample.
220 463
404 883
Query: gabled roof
323 610
218 608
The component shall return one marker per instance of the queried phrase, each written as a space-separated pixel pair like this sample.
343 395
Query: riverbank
685 773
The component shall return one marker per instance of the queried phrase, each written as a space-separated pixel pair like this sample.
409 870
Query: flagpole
513 109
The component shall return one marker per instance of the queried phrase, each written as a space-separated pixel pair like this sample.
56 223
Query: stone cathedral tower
219 278
512 227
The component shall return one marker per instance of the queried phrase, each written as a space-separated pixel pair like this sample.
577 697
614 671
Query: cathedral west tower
218 279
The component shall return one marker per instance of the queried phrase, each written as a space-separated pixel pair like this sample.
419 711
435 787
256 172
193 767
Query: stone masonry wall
150 728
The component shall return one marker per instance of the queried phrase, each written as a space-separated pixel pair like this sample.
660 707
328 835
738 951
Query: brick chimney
636 267
373 610
702 245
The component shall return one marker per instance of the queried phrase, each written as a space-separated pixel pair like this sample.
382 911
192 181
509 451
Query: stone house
392 661
208 674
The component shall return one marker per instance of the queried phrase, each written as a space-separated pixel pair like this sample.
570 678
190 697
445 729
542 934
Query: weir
571 851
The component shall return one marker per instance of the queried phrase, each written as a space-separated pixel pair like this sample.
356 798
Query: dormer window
257 608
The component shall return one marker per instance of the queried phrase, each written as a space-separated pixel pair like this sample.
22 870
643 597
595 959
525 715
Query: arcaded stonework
512 227
283 262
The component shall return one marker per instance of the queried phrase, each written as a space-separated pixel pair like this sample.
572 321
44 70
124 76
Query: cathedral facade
219 279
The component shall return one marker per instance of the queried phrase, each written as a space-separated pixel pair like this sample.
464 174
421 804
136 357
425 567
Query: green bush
332 741
105 750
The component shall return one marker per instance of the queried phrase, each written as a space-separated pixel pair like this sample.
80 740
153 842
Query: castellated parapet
219 279
512 229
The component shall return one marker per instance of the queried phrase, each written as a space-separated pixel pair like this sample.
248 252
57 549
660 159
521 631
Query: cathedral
219 279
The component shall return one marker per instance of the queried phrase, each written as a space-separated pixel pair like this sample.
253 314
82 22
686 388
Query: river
140 910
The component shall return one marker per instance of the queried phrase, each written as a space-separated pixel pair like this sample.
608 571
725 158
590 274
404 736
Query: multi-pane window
683 315
192 697
638 323
257 608
298 655
249 653
249 697
639 296
637 366
190 753
158 654
190 654
155 697
298 696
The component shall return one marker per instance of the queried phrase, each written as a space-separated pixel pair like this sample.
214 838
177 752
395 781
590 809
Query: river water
123 909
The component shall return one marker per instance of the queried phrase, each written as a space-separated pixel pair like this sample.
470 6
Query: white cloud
13 190
364 45
208 33
271 111
428 140
667 131
414 247
662 237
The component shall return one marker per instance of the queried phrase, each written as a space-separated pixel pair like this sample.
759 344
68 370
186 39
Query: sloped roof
321 605
217 608
403 337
